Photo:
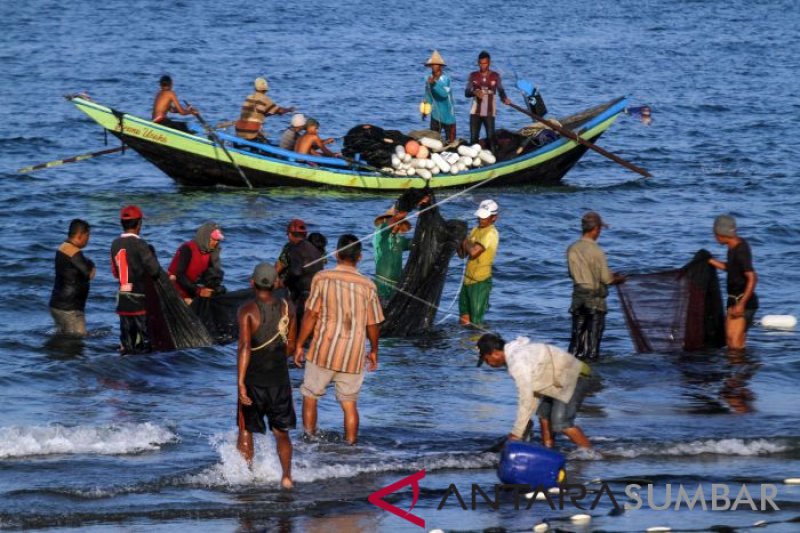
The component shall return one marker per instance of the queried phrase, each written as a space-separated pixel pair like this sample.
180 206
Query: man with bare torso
166 101
311 143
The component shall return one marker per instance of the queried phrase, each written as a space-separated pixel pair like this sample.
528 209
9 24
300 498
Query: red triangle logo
376 498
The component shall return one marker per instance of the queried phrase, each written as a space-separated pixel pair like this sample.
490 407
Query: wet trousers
133 335
587 332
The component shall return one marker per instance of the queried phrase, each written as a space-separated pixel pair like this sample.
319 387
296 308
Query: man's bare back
166 101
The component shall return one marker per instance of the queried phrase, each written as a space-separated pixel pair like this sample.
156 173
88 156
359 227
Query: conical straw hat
435 59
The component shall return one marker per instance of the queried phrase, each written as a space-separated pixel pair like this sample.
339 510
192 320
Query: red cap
297 226
130 212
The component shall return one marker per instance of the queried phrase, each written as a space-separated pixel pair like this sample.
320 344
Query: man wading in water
266 338
742 279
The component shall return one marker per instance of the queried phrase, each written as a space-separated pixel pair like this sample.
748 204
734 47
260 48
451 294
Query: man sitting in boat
255 109
166 101
196 269
292 133
311 143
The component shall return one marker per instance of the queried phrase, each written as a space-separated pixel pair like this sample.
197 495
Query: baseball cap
725 225
591 220
486 209
264 276
217 235
298 120
130 212
296 226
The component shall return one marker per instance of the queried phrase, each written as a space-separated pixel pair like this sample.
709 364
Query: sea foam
121 439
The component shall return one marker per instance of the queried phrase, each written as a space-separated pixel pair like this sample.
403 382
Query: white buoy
419 163
436 531
424 173
399 150
400 173
407 158
477 162
423 152
476 149
464 150
760 523
487 157
791 481
580 518
461 166
541 528
435 170
454 170
396 162
411 171
654 529
450 157
434 145
466 160
778 321
440 163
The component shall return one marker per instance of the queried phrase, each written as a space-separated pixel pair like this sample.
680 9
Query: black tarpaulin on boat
373 144
412 309
675 310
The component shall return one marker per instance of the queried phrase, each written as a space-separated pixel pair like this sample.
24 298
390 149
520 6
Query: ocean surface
92 441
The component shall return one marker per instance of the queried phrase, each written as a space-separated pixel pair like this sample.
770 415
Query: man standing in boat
439 95
166 101
483 86
588 268
255 110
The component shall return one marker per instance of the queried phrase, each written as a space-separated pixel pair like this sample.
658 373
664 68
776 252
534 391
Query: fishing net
373 144
412 308
675 310
219 314
171 325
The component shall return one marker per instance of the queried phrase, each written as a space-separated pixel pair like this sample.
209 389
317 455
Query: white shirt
539 370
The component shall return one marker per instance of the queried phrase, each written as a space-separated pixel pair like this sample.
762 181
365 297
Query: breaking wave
122 439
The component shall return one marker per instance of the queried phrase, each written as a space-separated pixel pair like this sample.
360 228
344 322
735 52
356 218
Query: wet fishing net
412 309
675 310
171 324
219 314
373 144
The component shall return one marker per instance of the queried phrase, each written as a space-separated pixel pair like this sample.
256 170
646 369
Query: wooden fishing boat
194 159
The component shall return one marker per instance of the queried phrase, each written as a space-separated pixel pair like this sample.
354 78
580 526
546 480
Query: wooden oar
74 159
216 139
577 138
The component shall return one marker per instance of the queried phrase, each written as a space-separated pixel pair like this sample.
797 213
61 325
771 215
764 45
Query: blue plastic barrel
526 463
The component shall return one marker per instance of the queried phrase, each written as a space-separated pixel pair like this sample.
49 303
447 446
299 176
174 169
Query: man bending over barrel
543 373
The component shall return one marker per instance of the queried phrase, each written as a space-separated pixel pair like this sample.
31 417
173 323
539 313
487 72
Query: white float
407 158
541 528
434 145
792 481
423 152
778 321
399 150
487 157
424 173
396 162
580 518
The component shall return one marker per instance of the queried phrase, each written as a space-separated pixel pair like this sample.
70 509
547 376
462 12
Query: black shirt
132 263
268 366
740 261
296 275
71 287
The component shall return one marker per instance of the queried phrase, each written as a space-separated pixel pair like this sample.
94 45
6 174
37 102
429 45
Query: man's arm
469 92
320 145
291 337
718 264
373 333
184 258
176 105
527 403
473 249
245 332
502 91
309 320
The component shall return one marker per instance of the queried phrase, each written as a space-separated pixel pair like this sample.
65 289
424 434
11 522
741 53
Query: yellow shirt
480 268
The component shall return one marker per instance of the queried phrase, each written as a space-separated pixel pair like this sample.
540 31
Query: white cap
486 209
261 84
298 120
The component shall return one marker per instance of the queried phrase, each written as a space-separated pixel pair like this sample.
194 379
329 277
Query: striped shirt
346 302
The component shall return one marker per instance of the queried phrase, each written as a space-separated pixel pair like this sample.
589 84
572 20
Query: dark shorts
562 415
275 403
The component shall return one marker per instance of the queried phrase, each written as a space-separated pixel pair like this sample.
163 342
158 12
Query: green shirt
389 248
590 275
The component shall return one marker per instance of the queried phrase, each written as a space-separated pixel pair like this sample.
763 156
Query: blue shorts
562 415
